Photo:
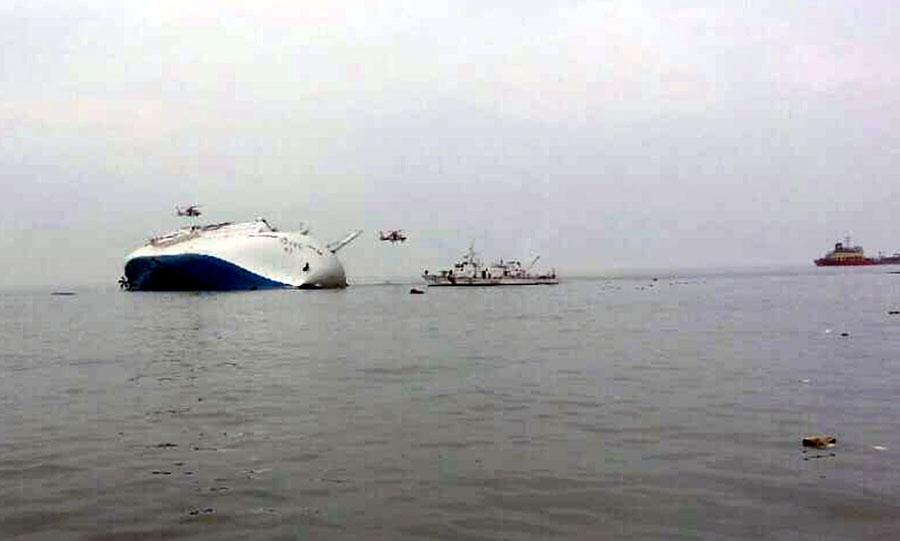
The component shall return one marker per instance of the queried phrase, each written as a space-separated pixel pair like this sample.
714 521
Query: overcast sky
601 135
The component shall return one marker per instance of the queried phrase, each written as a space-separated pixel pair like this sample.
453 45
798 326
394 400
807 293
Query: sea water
653 406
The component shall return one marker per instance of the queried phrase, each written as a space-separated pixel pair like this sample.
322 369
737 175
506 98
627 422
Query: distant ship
845 255
235 256
469 271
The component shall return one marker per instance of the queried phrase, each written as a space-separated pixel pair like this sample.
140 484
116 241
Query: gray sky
601 135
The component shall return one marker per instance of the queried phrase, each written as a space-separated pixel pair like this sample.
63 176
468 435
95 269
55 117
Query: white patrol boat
470 271
235 256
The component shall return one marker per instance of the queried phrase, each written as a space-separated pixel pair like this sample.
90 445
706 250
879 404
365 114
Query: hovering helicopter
392 235
190 210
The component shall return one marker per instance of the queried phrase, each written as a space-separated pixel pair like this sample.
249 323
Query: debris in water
879 448
161 472
845 334
804 380
63 293
254 474
415 291
820 442
206 511
264 510
166 444
894 312
827 331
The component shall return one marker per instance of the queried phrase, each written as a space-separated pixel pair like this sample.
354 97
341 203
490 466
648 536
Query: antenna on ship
472 257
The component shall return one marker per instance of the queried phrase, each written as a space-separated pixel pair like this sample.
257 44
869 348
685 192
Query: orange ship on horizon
845 255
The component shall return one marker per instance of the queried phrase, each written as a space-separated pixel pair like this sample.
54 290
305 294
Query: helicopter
190 210
392 235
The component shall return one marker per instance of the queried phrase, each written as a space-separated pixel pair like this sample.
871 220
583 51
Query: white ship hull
244 256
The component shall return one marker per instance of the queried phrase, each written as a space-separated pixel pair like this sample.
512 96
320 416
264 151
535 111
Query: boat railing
175 238
222 228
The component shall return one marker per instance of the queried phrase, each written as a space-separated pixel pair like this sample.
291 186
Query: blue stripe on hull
192 272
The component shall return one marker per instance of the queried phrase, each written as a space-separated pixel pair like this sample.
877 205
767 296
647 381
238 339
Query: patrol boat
470 271
235 256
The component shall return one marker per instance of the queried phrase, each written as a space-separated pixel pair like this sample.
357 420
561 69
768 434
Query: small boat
470 271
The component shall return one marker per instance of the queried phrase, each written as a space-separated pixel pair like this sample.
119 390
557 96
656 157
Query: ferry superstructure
235 256
470 271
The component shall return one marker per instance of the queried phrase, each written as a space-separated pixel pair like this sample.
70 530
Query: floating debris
415 291
165 445
804 380
254 474
845 334
893 312
63 293
205 511
820 442
161 472
827 331
879 448
264 510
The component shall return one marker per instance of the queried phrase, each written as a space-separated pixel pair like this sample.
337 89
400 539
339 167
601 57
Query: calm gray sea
604 408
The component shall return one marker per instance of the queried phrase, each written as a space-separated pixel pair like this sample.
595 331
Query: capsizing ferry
235 256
